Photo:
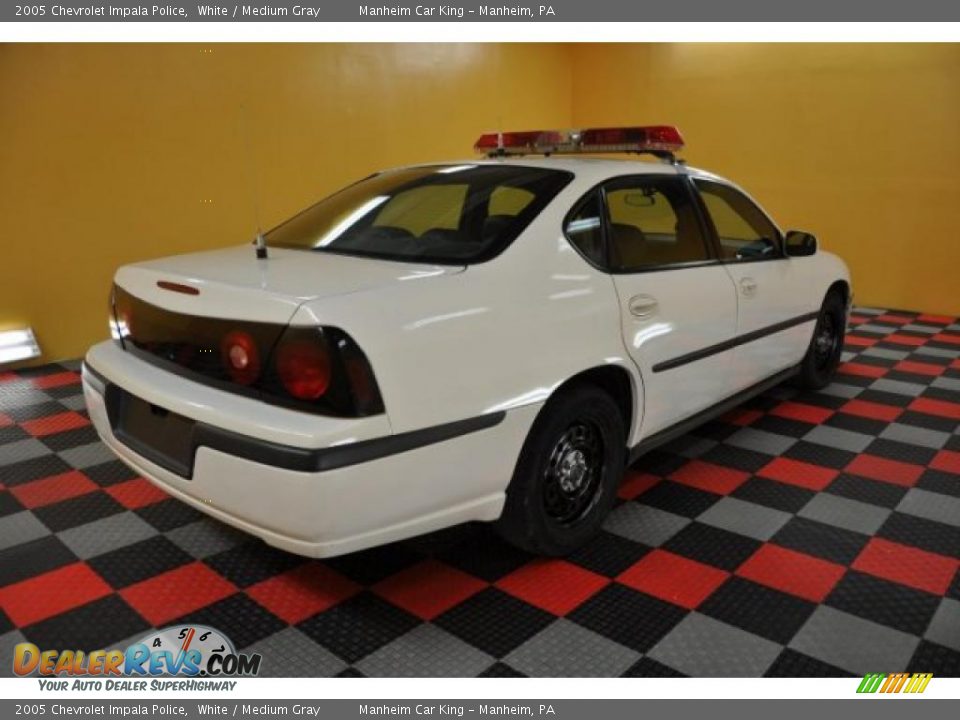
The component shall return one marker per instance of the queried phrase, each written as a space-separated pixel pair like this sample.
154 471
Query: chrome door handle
643 306
748 286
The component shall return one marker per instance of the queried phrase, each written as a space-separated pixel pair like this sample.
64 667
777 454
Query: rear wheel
566 478
823 356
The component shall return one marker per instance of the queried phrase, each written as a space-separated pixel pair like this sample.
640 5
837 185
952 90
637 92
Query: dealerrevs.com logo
910 683
184 651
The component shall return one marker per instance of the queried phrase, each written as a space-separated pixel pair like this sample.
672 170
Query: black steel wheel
572 476
823 356
567 475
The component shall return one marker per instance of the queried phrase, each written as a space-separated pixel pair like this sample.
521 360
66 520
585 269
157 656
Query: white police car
483 340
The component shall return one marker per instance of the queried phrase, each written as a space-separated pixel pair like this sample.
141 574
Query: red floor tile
919 368
707 476
947 338
44 382
948 461
852 368
859 341
52 424
636 483
302 592
5 420
428 589
942 408
797 472
802 412
177 592
673 578
907 565
872 410
792 572
136 493
885 470
53 489
905 340
52 593
552 585
895 319
936 319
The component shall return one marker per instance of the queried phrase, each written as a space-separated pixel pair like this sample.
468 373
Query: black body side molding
733 342
266 452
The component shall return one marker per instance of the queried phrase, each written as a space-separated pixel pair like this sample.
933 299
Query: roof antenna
260 240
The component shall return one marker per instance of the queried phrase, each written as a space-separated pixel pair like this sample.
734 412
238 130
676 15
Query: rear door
676 301
773 294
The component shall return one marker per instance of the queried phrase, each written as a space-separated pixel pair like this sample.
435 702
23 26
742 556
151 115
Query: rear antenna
260 240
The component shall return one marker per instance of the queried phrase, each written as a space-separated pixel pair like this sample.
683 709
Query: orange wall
116 153
859 143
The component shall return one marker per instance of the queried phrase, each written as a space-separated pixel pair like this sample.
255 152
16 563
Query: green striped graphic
871 682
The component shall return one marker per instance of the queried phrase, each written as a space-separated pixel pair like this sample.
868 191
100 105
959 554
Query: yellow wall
115 153
857 143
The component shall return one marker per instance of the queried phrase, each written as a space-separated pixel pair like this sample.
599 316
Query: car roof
592 168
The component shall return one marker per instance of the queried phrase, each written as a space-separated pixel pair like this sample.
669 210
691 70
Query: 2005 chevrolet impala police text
489 340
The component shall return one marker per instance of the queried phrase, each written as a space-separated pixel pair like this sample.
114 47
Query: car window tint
652 224
743 230
448 214
510 201
424 208
584 229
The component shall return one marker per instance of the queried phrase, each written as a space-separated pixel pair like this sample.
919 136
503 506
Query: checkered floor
814 534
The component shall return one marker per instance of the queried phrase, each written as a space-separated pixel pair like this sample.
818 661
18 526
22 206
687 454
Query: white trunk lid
233 284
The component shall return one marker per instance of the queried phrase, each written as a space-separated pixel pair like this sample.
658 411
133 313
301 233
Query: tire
567 475
823 356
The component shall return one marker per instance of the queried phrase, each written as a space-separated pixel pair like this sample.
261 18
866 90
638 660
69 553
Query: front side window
652 224
438 214
744 232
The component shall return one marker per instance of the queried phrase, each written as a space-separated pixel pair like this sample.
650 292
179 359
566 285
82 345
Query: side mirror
799 243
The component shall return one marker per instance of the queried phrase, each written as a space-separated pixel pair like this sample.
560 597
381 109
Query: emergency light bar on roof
660 140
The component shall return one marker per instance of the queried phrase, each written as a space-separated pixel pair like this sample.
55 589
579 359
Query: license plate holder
161 436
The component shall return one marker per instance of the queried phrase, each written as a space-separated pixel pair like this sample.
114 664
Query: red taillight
304 368
240 357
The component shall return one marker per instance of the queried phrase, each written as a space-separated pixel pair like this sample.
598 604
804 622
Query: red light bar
660 140
654 138
526 140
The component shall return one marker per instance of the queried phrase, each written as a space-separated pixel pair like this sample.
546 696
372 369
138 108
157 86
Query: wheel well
613 380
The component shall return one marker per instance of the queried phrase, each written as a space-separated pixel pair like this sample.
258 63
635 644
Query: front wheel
823 356
566 478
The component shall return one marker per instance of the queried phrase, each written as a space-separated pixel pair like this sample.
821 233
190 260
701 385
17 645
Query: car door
773 297
677 303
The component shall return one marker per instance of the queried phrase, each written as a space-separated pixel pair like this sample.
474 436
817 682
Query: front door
773 293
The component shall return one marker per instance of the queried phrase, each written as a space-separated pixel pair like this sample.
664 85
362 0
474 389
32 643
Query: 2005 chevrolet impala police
489 340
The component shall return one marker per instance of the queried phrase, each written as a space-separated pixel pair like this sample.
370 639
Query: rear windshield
447 214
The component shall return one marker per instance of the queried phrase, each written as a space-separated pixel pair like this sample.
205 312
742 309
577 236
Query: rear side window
439 214
744 232
653 224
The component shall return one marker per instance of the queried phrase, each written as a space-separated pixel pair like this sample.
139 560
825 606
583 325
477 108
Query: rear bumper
344 496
